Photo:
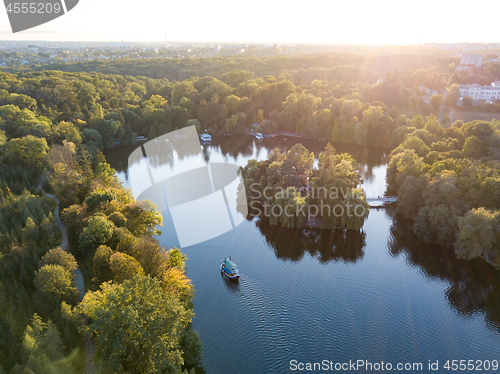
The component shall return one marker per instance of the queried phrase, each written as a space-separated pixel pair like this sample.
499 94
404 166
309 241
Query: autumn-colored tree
54 284
29 152
101 270
99 231
124 267
58 256
479 235
136 313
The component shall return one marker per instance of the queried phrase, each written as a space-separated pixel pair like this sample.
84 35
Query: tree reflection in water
323 244
474 285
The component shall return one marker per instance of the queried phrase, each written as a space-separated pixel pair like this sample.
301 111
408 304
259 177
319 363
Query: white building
480 93
471 59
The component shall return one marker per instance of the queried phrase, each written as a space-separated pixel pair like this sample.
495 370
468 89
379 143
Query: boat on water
229 269
259 136
205 138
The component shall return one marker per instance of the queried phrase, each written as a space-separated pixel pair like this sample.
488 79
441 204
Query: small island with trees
291 193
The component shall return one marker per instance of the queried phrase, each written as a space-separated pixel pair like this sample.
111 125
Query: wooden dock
380 201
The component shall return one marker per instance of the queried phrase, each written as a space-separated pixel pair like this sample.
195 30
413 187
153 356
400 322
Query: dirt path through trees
89 344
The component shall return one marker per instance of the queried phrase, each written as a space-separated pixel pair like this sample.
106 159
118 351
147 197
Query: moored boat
205 138
229 269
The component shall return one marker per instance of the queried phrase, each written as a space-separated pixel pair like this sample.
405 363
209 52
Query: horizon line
230 42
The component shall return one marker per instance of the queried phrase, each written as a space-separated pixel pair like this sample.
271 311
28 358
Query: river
312 295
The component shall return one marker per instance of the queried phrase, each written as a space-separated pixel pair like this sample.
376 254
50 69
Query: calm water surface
312 295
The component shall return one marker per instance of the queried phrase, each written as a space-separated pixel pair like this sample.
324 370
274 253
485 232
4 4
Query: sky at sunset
261 21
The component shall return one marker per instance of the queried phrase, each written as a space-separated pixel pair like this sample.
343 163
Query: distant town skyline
386 22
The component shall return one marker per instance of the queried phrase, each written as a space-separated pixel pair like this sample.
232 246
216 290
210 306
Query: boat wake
268 323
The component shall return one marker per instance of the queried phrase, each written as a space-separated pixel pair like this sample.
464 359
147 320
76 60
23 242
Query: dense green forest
111 240
375 59
333 97
448 183
54 123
